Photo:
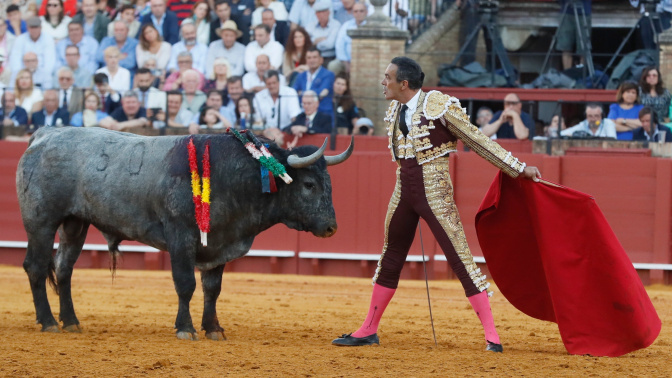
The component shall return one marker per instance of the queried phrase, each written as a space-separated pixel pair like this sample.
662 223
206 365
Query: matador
423 129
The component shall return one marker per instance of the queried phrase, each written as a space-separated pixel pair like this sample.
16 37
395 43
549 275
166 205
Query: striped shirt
182 8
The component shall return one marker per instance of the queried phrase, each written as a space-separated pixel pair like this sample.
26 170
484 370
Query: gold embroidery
439 193
394 202
433 153
435 105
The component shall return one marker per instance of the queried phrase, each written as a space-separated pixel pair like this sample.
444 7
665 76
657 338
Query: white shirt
162 56
607 129
412 107
272 49
395 18
28 102
287 105
235 55
121 81
68 94
152 99
60 31
199 53
251 80
279 12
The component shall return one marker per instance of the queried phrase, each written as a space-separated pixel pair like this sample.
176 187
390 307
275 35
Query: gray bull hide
138 188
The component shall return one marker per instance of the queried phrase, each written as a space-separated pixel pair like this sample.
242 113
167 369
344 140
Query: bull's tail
115 254
52 276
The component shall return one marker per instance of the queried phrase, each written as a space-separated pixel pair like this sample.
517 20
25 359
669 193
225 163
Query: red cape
553 255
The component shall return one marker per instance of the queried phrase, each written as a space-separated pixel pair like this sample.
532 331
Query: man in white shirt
227 48
323 33
277 106
36 42
262 44
254 82
40 77
88 46
593 126
149 97
189 43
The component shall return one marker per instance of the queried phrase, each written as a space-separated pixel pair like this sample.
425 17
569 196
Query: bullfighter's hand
532 173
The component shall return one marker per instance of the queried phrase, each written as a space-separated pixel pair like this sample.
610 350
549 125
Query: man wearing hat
223 12
37 42
189 44
227 48
323 33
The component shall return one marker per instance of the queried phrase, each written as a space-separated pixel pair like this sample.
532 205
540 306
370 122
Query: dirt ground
280 325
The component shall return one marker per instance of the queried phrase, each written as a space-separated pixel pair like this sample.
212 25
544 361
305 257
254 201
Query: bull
138 188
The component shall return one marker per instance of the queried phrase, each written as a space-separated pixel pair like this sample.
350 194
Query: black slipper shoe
348 340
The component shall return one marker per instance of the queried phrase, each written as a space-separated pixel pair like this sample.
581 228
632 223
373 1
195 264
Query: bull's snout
328 231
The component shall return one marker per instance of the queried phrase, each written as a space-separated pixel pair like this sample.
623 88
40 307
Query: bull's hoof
183 335
73 328
51 328
216 335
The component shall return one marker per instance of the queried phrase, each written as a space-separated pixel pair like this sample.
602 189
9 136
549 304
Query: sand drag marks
280 325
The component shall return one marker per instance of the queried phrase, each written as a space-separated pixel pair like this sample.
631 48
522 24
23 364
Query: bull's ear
295 161
338 159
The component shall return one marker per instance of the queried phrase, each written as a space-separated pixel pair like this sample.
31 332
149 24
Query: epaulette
436 104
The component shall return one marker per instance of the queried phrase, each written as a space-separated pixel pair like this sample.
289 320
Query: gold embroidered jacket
426 142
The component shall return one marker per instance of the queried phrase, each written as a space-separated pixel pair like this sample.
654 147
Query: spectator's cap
364 122
33 22
229 25
322 5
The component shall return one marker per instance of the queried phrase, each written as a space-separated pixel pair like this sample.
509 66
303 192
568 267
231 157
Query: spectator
253 82
109 98
130 114
119 77
91 115
228 48
245 115
107 8
152 46
344 11
40 77
193 98
277 106
552 129
200 18
220 76
211 119
364 126
276 7
27 95
36 42
279 29
223 12
625 112
149 97
69 7
298 45
302 13
399 13
651 130
51 114
234 91
6 43
164 21
159 75
652 92
82 76
15 24
483 117
656 23
512 122
241 13
343 45
5 72
318 79
142 9
311 121
214 101
126 45
346 114
262 44
127 16
568 38
177 116
323 33
10 113
593 125
69 97
87 47
190 44
94 23
183 9
184 63
55 22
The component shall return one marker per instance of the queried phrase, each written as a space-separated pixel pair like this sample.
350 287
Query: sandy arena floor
280 325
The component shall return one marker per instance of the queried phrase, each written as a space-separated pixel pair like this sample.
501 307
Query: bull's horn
338 159
301 162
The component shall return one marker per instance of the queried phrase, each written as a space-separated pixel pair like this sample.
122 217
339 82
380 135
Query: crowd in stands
277 66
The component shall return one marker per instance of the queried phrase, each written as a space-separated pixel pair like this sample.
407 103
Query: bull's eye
309 185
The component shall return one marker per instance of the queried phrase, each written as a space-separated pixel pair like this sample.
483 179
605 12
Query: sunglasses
53 5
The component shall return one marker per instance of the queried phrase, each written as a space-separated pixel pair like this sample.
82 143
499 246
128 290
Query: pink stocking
380 297
481 305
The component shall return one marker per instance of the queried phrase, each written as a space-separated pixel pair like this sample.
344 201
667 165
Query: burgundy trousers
426 191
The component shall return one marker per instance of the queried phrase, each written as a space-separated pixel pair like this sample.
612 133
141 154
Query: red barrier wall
633 192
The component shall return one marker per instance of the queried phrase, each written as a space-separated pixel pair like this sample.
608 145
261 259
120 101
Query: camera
363 130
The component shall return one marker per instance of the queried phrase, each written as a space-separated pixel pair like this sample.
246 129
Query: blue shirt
10 29
44 48
76 120
87 52
128 48
158 24
344 42
199 55
615 111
